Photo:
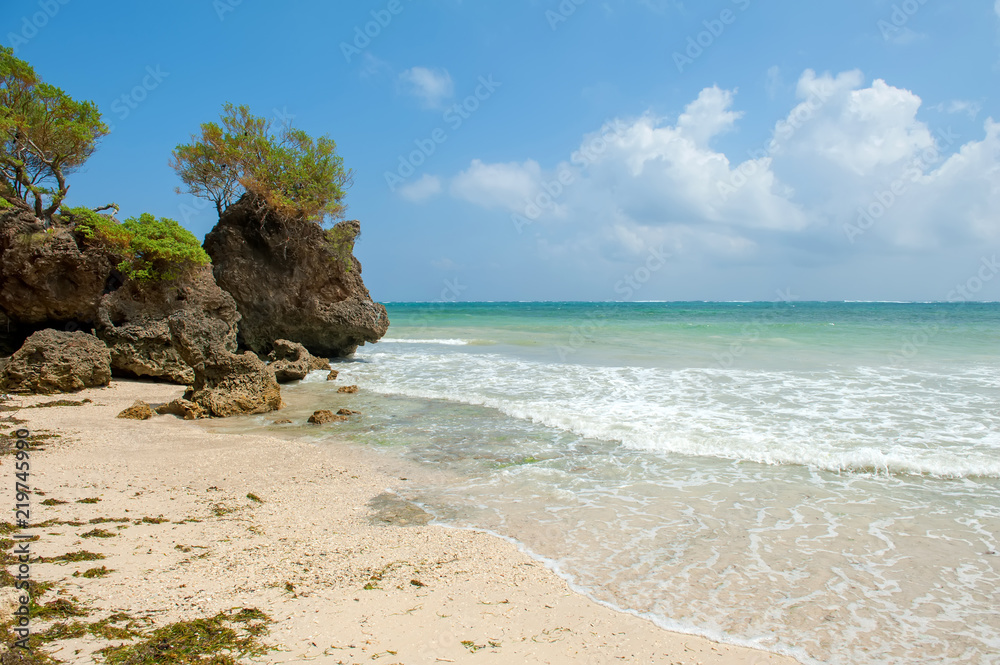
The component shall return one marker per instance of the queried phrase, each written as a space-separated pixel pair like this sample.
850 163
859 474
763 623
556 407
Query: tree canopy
290 171
44 136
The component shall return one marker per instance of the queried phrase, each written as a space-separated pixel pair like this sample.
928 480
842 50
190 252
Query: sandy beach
343 581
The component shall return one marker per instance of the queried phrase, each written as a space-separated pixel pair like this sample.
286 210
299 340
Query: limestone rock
283 421
138 411
347 389
49 278
291 361
52 361
225 384
348 412
293 280
332 375
323 417
133 321
182 408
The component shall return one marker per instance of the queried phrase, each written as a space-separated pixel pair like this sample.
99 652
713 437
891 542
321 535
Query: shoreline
340 586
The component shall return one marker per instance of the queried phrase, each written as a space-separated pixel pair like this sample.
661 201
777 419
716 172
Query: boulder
133 322
49 277
347 389
225 384
332 375
181 408
291 361
293 280
323 417
283 421
52 361
138 411
348 412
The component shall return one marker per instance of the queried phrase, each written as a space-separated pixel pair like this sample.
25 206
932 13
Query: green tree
45 136
286 168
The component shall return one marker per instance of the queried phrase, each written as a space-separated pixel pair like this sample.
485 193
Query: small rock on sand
138 411
347 389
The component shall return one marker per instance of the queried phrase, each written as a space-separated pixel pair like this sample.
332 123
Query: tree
285 168
45 135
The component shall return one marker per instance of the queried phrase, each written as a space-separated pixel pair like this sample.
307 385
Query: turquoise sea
821 479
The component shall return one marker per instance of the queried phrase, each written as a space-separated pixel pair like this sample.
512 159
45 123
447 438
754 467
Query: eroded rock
323 417
291 361
182 408
53 361
133 321
138 411
292 280
225 384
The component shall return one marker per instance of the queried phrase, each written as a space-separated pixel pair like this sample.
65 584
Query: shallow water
820 479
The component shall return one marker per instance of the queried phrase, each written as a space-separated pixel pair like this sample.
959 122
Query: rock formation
133 321
291 361
52 361
49 278
225 384
293 280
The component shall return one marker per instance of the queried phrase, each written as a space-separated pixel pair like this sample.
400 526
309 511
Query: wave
446 342
883 422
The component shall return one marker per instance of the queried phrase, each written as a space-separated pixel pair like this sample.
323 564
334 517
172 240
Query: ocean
819 479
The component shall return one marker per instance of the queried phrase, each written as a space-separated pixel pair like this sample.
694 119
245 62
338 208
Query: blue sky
580 149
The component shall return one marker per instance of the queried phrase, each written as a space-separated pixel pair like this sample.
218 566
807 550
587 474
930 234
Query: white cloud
841 149
498 185
708 116
965 106
426 187
431 86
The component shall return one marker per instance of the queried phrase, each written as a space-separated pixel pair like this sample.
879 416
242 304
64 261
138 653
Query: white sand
313 530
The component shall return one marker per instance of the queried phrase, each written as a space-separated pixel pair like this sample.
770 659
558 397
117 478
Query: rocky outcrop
133 322
225 384
293 280
49 278
291 361
52 361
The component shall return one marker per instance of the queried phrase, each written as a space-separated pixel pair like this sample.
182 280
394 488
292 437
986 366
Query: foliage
152 249
218 640
45 135
291 172
4 203
161 248
340 239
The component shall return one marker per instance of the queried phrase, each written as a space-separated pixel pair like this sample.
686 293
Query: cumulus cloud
850 163
431 86
426 187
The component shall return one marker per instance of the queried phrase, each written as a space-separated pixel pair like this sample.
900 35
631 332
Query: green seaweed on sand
217 640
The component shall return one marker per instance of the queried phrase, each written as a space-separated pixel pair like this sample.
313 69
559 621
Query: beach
343 581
